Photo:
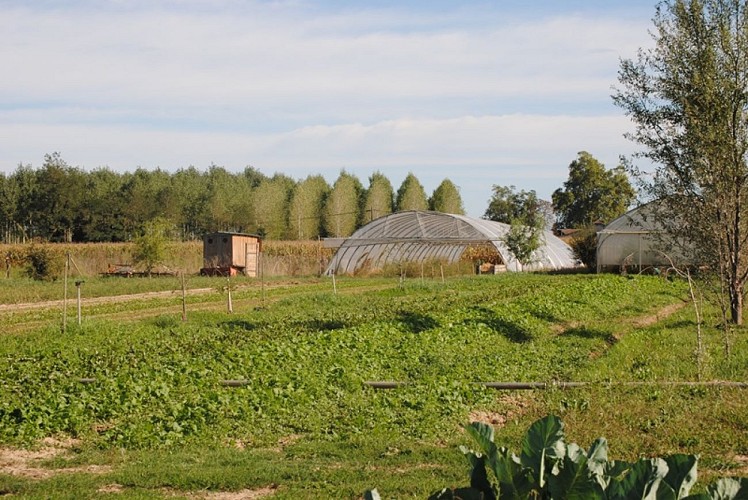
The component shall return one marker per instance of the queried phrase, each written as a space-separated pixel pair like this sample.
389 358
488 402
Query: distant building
636 240
229 254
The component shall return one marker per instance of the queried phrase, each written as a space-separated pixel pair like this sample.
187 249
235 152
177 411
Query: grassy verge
306 425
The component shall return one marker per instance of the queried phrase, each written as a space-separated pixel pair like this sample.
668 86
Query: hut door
251 249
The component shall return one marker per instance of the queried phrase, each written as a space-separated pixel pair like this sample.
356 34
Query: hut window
225 240
210 241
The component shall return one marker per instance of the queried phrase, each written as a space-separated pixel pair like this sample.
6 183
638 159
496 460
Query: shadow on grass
509 329
592 333
543 316
324 325
416 322
239 324
685 323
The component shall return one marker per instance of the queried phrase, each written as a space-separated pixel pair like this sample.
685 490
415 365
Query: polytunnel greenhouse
417 236
637 240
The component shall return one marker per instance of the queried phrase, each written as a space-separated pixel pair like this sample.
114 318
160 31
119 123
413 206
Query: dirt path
166 294
634 323
51 304
210 302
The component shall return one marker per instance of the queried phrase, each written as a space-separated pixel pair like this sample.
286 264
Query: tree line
61 203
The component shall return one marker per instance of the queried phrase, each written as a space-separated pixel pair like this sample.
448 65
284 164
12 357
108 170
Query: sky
482 93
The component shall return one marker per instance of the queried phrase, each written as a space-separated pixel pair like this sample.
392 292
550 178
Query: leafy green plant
524 238
584 245
44 263
548 467
151 245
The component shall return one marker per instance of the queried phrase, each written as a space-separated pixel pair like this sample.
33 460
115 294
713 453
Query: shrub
43 263
151 245
584 245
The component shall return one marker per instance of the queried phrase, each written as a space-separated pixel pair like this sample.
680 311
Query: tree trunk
736 304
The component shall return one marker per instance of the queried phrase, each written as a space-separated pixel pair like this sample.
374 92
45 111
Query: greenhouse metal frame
420 236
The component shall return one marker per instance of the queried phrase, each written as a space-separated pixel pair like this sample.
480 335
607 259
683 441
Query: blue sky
482 93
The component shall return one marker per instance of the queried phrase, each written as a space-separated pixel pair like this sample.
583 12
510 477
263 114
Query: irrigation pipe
513 386
525 386
234 383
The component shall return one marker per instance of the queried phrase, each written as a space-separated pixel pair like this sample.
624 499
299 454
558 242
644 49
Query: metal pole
65 295
184 299
229 305
319 254
640 254
78 289
262 276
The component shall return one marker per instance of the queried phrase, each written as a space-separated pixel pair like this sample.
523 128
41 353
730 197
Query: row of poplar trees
58 202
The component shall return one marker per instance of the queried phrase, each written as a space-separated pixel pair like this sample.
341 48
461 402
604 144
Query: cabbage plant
549 468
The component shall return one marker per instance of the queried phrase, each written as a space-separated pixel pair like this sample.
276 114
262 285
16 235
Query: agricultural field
280 258
273 400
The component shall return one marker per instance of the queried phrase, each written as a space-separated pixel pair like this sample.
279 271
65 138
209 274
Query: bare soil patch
513 406
26 463
743 461
111 488
246 494
663 313
242 495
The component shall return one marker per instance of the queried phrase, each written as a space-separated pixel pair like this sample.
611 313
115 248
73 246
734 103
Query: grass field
133 403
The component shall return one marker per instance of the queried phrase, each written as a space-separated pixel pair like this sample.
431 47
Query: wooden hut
229 254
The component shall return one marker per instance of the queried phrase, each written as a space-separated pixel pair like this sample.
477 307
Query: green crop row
305 359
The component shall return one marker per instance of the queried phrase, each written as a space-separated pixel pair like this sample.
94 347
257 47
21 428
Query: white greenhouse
637 241
418 236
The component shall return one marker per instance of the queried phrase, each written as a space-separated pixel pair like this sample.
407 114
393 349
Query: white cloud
144 58
468 94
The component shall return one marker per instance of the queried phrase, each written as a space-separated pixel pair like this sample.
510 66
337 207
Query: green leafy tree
271 206
379 198
57 199
411 195
224 194
526 215
23 182
523 239
145 193
687 97
190 187
253 176
507 204
341 214
305 211
102 207
150 246
243 205
592 193
446 199
9 194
